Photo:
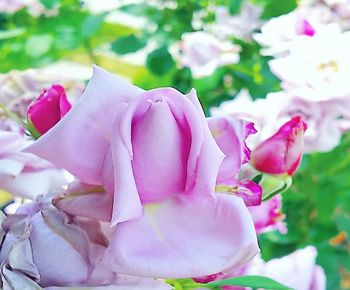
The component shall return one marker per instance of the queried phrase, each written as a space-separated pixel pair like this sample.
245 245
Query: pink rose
149 162
282 152
47 110
268 216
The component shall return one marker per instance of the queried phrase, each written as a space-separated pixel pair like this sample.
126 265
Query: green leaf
234 6
5 34
49 4
38 45
128 44
250 281
140 9
273 185
32 130
92 24
258 178
276 8
160 61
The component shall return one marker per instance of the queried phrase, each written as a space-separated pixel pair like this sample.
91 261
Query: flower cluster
205 51
314 81
156 186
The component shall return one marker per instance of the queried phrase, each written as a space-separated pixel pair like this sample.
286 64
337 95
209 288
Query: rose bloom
203 53
326 120
47 109
148 165
240 25
278 33
313 74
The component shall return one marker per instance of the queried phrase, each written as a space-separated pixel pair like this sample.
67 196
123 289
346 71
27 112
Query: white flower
279 32
240 25
317 68
297 270
203 53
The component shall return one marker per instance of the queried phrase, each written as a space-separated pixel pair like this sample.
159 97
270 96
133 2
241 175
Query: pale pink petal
127 283
160 152
34 183
85 200
209 159
230 134
318 279
175 239
79 142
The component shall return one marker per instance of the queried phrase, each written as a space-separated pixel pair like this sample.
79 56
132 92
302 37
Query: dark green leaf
250 281
160 61
258 178
235 6
49 4
128 44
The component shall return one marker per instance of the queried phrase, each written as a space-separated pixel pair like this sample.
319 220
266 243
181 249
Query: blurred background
236 53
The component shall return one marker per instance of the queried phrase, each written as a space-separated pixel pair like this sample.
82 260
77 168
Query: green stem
90 52
242 70
13 116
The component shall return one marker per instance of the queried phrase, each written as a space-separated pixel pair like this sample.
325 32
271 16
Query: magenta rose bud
282 152
47 110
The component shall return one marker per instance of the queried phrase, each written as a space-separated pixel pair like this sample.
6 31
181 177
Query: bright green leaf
38 45
128 44
250 281
273 185
5 34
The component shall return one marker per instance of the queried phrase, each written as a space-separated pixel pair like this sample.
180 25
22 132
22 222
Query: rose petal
80 140
175 239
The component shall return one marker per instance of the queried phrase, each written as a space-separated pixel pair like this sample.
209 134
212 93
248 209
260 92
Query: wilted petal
13 280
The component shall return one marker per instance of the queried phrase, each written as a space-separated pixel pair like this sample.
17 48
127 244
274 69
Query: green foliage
128 44
91 24
252 281
160 61
49 4
274 8
235 6
317 209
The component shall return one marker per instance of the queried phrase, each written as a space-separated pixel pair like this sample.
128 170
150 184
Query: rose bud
47 110
282 152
